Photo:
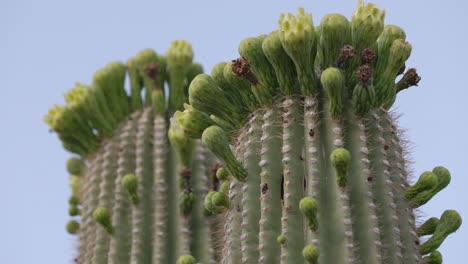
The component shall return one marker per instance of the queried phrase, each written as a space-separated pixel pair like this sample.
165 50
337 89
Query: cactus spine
125 183
315 134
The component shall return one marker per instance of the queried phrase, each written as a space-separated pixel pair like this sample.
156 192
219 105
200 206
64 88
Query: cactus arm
293 173
106 189
363 208
142 212
332 247
160 228
382 188
270 188
408 237
120 242
251 192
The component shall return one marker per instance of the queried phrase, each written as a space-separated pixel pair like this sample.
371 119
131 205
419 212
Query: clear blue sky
46 46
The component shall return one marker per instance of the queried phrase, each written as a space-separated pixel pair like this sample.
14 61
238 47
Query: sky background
46 46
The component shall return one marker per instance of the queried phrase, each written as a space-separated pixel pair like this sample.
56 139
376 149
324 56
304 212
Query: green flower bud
223 124
367 22
138 77
241 86
179 54
340 159
76 166
76 184
450 221
74 210
334 34
363 98
102 216
389 34
333 83
297 34
73 200
179 58
222 174
111 80
73 227
208 202
385 83
224 189
428 227
220 201
282 64
207 97
193 121
434 258
426 181
215 139
181 143
186 203
309 207
311 254
193 70
281 239
255 68
232 93
186 259
443 179
130 183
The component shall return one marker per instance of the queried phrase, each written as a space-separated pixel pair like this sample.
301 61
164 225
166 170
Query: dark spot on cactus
282 187
265 188
364 74
346 53
416 242
186 173
305 183
214 178
369 179
300 157
285 110
386 147
238 208
308 106
367 56
311 133
152 71
402 69
241 68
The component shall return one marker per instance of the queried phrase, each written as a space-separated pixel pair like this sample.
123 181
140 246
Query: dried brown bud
367 56
364 74
346 53
241 68
152 71
411 78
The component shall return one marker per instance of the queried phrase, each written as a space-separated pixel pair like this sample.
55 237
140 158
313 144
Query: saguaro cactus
135 197
317 164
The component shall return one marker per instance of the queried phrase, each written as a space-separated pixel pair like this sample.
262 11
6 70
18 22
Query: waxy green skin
313 167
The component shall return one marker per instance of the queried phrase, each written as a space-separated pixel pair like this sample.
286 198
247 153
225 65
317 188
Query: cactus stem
382 188
270 188
91 195
293 173
142 212
409 240
120 242
106 190
160 155
251 191
333 202
363 210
